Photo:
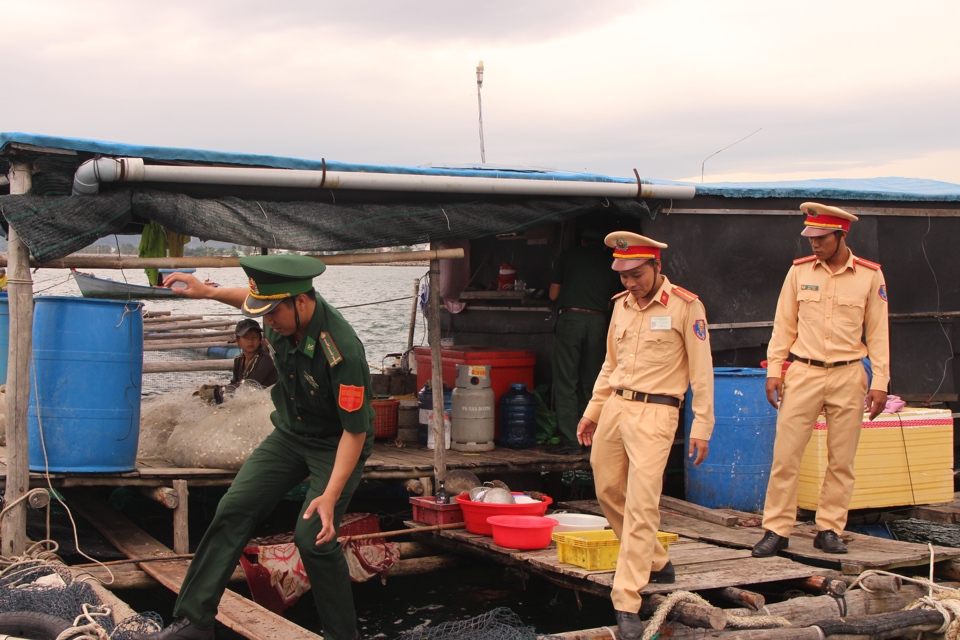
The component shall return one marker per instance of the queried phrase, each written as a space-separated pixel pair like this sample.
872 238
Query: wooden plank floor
699 565
387 462
865 552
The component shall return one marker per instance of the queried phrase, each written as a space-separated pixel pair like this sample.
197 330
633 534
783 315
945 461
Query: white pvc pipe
134 170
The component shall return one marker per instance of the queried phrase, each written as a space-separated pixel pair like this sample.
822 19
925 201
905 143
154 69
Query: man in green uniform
582 286
324 430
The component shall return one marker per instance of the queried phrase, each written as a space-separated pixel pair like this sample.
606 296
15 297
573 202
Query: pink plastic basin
522 532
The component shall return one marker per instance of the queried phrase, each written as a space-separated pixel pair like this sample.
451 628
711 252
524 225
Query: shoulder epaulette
806 259
620 295
329 347
869 265
684 294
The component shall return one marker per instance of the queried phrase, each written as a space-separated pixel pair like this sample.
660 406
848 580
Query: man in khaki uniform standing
657 345
827 302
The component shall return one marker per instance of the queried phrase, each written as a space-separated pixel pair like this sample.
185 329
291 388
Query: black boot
829 541
179 629
667 575
769 545
629 625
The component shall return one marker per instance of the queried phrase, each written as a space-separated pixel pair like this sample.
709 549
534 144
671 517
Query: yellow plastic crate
597 550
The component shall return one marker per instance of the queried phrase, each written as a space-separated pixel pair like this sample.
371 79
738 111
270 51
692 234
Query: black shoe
769 545
629 625
667 575
179 629
829 542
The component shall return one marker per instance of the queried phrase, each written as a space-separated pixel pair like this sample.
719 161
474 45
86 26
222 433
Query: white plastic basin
578 522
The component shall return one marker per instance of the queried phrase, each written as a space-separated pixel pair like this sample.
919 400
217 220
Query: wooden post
181 522
20 296
436 366
413 317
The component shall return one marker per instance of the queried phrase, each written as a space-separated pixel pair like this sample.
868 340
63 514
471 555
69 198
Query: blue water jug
425 398
518 418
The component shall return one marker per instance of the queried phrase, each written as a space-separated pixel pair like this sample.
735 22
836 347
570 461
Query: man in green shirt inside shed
582 285
324 430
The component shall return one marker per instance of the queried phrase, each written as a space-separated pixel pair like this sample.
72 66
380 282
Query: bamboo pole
199 262
436 365
13 529
413 317
221 364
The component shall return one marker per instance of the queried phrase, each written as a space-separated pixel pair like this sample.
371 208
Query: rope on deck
678 597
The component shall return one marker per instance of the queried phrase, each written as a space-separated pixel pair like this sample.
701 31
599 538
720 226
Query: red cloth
275 573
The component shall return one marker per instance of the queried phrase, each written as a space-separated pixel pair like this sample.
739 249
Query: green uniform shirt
324 385
585 278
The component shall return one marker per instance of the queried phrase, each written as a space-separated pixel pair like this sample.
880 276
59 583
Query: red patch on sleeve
351 397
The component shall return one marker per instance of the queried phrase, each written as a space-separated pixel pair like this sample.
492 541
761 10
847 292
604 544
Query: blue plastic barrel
735 473
425 401
4 336
518 418
85 383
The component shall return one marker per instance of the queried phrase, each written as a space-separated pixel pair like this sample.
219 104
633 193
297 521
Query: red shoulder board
620 295
683 293
869 265
802 260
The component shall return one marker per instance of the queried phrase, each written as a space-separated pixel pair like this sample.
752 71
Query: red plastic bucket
475 514
522 532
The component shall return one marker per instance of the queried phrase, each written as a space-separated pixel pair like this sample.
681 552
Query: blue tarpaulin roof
878 189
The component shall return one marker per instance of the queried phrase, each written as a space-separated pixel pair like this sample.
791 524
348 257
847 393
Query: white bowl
578 522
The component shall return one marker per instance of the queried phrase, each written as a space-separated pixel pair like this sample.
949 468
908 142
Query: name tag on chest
661 323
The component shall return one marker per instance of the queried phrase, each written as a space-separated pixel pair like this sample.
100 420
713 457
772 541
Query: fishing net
211 436
499 624
40 586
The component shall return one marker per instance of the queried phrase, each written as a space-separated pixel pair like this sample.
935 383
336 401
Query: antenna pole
483 154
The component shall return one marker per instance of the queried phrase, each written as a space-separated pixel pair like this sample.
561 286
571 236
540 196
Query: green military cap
273 278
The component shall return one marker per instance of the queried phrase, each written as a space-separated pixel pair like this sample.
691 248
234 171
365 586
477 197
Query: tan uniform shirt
821 315
661 349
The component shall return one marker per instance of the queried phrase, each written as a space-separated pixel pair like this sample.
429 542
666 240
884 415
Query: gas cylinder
425 402
473 402
518 418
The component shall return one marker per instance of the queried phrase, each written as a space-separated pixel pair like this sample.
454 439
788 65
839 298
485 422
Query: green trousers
579 349
280 463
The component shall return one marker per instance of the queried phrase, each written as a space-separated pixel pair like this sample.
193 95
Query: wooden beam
13 529
436 366
188 365
700 513
80 261
181 519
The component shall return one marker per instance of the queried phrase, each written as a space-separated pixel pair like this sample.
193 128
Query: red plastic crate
427 511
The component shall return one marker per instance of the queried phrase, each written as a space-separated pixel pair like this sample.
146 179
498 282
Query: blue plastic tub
85 383
735 473
4 336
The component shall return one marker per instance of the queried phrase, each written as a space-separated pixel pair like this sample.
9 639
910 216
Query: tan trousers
839 393
630 450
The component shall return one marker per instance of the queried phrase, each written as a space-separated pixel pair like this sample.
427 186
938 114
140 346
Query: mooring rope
659 617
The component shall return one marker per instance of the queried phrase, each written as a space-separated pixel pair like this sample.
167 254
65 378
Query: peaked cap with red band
630 250
823 220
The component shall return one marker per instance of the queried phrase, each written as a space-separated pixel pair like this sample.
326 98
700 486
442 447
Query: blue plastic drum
85 382
735 473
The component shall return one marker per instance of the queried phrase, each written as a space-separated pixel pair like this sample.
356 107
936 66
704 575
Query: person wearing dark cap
582 286
254 361
657 346
324 430
828 301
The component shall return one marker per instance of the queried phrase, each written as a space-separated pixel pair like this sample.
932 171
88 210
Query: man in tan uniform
657 345
827 302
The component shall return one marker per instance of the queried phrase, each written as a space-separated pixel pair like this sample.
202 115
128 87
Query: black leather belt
649 398
576 310
825 365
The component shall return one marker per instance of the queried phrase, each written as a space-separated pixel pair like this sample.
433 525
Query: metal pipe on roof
92 172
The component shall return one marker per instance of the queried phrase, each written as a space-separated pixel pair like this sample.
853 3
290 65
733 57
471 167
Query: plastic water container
735 474
425 402
86 378
518 418
447 432
4 336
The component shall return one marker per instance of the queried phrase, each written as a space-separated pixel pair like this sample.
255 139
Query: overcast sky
839 88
